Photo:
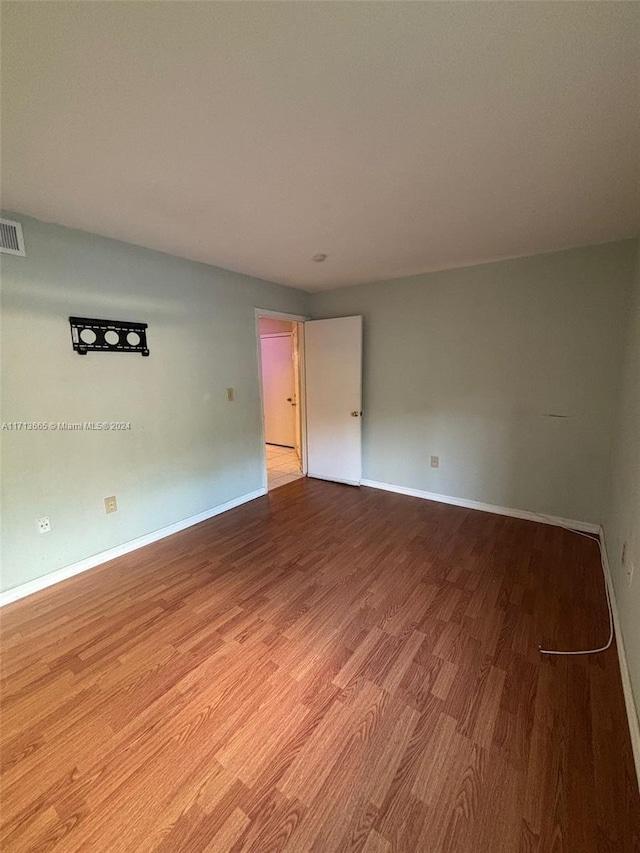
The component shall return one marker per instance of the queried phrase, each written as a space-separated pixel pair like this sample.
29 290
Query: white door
333 367
278 390
297 396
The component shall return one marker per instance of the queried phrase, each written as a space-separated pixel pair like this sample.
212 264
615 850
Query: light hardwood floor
324 669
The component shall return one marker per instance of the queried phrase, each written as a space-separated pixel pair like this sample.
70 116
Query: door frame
302 396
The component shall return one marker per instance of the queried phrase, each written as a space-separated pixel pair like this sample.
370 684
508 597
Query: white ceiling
394 137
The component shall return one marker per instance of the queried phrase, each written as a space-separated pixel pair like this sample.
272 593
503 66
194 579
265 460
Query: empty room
320 429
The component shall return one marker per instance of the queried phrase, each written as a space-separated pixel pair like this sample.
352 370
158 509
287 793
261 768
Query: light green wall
188 450
622 519
467 364
463 364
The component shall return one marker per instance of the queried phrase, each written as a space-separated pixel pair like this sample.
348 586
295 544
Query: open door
297 393
278 390
333 367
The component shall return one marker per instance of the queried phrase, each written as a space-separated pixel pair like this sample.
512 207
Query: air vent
11 239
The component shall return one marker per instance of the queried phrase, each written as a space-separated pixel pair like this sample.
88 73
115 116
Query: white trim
302 396
585 526
97 559
629 701
281 315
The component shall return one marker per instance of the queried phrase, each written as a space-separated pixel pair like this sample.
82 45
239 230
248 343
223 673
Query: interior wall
622 518
188 448
508 372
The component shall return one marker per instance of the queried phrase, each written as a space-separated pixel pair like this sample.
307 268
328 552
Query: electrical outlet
435 461
230 395
110 504
43 524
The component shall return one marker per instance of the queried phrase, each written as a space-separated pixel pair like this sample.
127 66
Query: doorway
317 386
279 338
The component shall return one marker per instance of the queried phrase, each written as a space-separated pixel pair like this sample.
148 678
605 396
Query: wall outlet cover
43 524
110 504
435 461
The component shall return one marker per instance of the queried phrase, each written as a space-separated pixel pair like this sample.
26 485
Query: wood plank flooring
324 669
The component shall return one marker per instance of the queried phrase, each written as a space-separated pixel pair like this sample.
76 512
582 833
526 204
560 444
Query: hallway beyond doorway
283 465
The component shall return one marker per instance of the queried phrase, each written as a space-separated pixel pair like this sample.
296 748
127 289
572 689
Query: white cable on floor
606 589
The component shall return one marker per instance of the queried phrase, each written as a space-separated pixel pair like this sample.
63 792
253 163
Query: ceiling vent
11 239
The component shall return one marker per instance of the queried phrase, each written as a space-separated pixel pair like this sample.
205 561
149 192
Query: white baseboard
629 701
585 526
97 559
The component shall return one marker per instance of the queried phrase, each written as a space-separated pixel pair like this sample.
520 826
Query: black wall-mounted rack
89 335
